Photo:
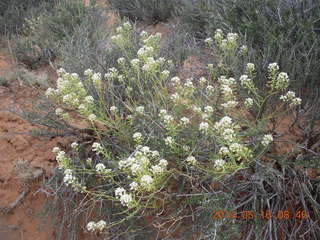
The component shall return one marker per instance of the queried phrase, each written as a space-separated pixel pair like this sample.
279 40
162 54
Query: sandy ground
25 161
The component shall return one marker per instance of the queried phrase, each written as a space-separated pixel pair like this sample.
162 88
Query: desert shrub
14 12
44 33
146 10
159 143
278 31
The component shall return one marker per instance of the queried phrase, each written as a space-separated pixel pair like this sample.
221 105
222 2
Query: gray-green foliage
146 10
283 31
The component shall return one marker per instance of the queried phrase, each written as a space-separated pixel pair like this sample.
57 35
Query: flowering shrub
159 130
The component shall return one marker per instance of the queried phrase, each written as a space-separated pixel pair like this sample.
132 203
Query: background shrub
283 31
14 12
45 33
146 10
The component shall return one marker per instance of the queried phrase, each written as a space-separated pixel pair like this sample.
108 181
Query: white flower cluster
167 119
169 141
290 97
248 102
226 87
278 81
140 109
250 68
101 168
96 147
140 161
247 83
96 226
137 137
184 121
228 43
62 159
122 39
227 130
70 179
266 140
125 198
112 74
191 160
204 127
219 163
71 92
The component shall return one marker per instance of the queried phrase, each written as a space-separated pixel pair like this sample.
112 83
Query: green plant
145 10
159 142
4 82
277 31
14 12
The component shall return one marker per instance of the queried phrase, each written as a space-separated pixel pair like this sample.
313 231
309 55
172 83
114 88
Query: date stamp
264 214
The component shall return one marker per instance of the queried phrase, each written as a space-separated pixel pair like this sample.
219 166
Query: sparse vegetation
229 152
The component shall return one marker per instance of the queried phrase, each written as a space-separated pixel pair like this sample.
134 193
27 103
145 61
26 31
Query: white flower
163 112
100 167
145 149
204 126
127 25
89 99
208 41
50 91
88 72
137 136
210 89
175 80
140 109
96 147
135 62
121 61
248 102
157 169
89 160
244 49
146 181
202 80
126 199
74 145
92 117
250 67
196 109
96 77
163 163
219 163
169 141
56 150
273 67
165 73
119 191
167 119
184 121
208 109
189 83
266 140
224 122
155 153
91 226
175 97
224 151
134 186
191 160
186 148
59 111
230 104
101 225
113 109
295 102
